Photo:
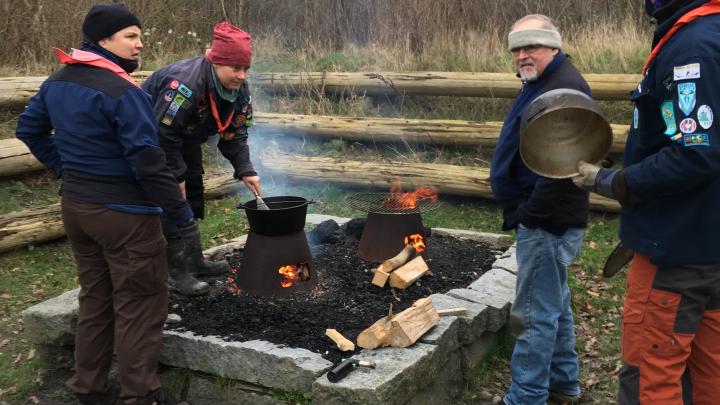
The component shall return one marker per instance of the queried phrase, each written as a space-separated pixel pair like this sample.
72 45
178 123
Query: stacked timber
17 90
15 158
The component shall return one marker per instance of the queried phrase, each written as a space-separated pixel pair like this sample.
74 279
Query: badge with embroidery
705 116
688 125
167 120
691 71
696 140
174 84
668 114
636 118
185 90
228 135
169 95
686 97
239 120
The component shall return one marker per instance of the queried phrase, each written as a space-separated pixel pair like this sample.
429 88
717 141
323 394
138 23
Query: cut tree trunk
408 273
448 179
17 90
41 224
15 158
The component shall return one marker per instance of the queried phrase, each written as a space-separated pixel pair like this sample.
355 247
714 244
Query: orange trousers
671 327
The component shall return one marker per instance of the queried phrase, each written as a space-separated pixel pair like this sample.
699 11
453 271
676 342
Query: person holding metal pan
193 100
669 189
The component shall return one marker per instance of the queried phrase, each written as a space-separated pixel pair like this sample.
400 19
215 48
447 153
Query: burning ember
400 199
417 241
293 274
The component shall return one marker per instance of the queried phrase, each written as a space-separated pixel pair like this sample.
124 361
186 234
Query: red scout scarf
220 127
93 59
712 7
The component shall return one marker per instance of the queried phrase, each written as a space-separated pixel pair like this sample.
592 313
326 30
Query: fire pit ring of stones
217 371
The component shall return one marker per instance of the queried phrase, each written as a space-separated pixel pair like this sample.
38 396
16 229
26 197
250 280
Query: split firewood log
408 273
383 271
341 341
402 329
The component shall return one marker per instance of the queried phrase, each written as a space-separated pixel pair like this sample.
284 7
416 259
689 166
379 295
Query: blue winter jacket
672 155
537 202
95 131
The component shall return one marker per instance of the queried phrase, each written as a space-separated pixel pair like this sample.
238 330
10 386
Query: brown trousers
122 270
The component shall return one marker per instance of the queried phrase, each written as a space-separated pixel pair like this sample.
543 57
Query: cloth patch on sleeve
686 72
668 114
686 97
169 95
184 90
636 118
705 116
696 140
688 125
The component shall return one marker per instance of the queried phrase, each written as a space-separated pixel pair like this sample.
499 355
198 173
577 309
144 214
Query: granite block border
431 371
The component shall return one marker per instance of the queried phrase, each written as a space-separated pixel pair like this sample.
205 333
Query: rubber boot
179 265
200 266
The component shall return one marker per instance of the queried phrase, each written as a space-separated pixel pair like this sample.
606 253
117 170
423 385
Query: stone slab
497 283
444 334
203 391
315 219
507 261
494 239
446 387
53 322
472 323
474 353
398 376
220 252
257 362
498 304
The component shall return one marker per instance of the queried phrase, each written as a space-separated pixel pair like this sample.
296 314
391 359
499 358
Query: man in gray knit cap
549 217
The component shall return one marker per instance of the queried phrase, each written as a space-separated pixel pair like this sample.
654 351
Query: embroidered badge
167 120
668 114
677 137
686 97
691 71
696 140
180 100
239 120
185 90
174 84
636 118
705 116
688 125
169 95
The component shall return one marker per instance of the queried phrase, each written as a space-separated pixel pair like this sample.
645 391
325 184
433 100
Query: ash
344 300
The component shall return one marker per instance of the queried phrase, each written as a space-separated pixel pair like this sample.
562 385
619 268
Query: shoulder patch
686 97
686 72
705 116
696 140
668 114
688 125
185 90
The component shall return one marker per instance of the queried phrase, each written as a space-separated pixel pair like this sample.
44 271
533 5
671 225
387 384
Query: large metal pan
558 129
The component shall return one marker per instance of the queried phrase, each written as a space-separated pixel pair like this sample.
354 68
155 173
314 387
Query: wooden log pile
17 90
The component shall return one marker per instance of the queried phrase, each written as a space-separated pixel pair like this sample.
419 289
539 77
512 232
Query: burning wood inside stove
404 268
293 274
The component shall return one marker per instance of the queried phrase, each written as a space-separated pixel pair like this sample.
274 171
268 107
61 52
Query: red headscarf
230 46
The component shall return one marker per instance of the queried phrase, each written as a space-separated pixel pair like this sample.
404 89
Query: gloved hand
588 176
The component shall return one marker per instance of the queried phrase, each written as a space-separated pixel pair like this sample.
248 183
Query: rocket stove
392 219
277 259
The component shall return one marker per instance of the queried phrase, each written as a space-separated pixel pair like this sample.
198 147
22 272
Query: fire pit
392 217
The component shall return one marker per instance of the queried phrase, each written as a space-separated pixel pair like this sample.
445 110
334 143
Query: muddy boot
200 266
180 263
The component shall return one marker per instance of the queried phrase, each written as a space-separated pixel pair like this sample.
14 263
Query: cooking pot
558 129
286 215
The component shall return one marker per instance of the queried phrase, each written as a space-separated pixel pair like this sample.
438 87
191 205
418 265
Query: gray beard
528 77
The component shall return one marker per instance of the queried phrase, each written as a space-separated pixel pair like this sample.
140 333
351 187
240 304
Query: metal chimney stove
277 258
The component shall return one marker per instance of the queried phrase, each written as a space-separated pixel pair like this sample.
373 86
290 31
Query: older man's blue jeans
544 357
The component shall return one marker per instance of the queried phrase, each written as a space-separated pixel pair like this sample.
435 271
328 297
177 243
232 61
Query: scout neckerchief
93 59
213 107
712 7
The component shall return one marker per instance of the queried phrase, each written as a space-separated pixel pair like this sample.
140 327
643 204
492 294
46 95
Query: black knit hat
103 20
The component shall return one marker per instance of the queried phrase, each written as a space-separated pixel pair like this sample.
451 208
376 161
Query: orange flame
417 241
292 274
400 199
